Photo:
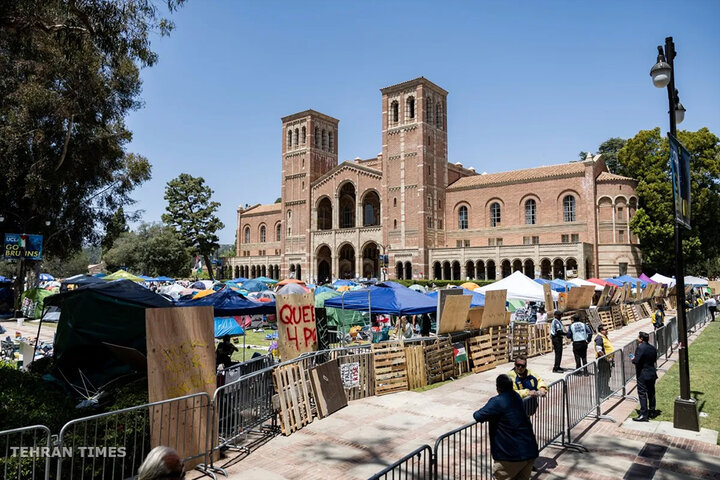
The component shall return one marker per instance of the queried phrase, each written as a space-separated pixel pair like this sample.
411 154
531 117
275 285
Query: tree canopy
69 73
645 157
153 250
191 213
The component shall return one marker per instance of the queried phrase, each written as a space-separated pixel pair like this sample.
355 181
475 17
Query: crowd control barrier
21 452
416 465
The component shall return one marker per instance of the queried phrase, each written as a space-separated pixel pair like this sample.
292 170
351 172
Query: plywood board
454 314
604 296
475 318
494 313
714 286
617 293
442 295
549 304
327 388
297 330
580 297
181 361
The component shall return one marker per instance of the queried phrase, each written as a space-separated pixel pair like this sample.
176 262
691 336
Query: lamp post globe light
663 76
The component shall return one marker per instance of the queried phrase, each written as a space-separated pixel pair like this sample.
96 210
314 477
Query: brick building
431 218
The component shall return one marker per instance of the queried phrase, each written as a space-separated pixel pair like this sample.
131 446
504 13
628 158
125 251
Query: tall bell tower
415 174
309 150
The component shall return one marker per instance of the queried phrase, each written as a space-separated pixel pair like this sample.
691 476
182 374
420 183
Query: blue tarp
558 287
632 280
343 283
254 286
100 275
228 302
266 280
478 299
239 280
227 326
386 298
163 278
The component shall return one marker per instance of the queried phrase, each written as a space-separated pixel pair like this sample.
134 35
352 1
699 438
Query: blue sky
531 83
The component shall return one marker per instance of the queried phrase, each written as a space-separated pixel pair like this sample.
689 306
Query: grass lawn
704 356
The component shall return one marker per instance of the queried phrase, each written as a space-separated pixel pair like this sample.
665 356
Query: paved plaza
371 433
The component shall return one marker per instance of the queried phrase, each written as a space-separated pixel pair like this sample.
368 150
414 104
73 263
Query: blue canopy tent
227 302
254 285
631 280
386 298
100 275
478 299
267 280
163 278
343 283
614 281
562 283
227 326
558 287
238 280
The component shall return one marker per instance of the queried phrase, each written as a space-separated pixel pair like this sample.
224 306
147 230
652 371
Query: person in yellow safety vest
603 347
658 317
699 301
526 382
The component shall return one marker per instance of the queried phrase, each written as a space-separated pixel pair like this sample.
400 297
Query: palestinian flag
459 353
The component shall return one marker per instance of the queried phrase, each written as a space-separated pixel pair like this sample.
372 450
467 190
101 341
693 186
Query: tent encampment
584 283
122 275
695 281
32 301
519 287
659 278
228 302
387 298
227 326
78 281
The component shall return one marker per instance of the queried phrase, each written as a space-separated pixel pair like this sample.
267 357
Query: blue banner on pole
680 166
21 245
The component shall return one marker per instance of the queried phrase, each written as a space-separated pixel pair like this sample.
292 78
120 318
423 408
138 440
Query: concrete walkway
369 434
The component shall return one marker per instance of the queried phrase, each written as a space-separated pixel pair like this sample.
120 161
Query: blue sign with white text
22 245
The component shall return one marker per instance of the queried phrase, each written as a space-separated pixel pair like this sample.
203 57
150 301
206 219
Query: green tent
123 275
339 318
32 301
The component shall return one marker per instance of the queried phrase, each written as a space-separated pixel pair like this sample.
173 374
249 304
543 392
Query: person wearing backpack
658 317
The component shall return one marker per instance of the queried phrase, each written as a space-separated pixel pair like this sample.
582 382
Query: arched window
495 214
463 218
428 110
394 112
289 140
247 234
530 212
316 143
331 141
439 115
410 108
569 208
297 137
262 234
324 140
278 232
303 135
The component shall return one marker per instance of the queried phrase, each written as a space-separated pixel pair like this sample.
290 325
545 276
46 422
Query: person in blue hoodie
512 441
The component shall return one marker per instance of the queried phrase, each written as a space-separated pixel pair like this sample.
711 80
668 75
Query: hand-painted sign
21 245
297 330
350 374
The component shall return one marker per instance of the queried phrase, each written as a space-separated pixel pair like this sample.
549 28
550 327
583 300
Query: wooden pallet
539 339
520 338
617 316
389 368
366 375
594 318
415 361
606 318
481 353
293 391
629 313
439 361
500 343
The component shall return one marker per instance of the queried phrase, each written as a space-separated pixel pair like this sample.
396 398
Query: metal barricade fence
464 453
22 457
114 444
581 399
417 464
242 406
547 414
610 378
253 365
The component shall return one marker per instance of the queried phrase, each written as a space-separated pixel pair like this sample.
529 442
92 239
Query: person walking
512 441
658 316
580 334
603 347
644 360
712 306
557 332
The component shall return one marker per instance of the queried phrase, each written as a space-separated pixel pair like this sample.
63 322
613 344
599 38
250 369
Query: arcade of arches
347 262
488 270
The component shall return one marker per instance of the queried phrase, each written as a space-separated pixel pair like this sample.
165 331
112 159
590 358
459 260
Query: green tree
191 213
153 250
115 226
609 150
646 157
67 266
69 74
125 253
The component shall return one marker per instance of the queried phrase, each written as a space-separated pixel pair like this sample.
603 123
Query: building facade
409 213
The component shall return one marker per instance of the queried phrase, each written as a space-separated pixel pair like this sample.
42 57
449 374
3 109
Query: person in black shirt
646 374
512 442
224 351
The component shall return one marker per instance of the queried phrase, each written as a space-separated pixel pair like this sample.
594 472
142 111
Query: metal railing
21 458
547 414
464 453
417 464
114 444
253 365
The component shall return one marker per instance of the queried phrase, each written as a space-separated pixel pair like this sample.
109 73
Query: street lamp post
663 75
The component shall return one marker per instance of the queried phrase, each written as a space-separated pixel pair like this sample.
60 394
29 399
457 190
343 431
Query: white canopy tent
582 283
695 281
519 287
670 282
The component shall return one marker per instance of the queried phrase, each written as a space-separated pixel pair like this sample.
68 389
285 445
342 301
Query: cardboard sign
604 296
297 331
562 301
350 374
549 304
714 286
442 295
454 314
580 297
494 312
475 318
181 361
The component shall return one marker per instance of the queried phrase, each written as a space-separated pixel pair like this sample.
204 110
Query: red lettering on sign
310 335
292 336
287 314
308 313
